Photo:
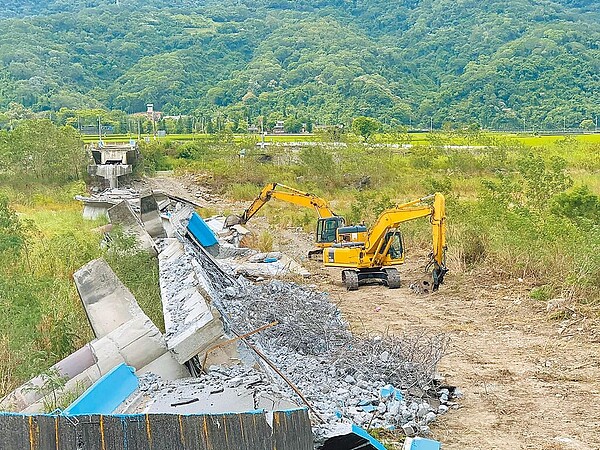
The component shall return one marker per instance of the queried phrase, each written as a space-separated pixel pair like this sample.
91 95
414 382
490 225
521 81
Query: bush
580 206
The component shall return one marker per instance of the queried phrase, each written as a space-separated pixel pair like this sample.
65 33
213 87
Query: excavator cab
394 244
327 228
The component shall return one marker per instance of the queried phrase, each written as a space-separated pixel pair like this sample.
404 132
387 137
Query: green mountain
503 63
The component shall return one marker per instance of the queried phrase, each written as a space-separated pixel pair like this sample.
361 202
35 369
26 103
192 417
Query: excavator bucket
232 220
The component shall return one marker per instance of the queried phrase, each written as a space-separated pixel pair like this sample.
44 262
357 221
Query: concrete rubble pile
239 260
382 381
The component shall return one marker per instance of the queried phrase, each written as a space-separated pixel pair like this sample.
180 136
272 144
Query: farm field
422 138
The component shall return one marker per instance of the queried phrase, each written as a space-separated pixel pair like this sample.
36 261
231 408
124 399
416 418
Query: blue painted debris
370 439
350 436
368 408
388 390
201 232
106 394
270 260
418 443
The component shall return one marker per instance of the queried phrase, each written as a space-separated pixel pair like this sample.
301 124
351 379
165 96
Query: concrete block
203 330
192 324
165 366
107 302
122 214
150 215
137 343
107 354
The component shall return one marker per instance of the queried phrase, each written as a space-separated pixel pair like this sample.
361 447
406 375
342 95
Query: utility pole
431 124
564 124
99 131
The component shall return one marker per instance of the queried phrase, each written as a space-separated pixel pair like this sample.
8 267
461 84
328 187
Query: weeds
265 242
40 311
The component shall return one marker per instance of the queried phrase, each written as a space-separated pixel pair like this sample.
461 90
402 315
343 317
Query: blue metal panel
370 439
107 393
203 234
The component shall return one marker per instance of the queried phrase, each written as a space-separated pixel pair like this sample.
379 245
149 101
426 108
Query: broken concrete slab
97 205
122 214
107 302
166 367
113 312
221 389
192 324
179 218
264 265
150 215
137 343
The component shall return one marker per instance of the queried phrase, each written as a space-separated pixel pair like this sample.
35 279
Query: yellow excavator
330 226
374 258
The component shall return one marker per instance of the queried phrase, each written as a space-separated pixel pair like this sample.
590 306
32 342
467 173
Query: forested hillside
500 63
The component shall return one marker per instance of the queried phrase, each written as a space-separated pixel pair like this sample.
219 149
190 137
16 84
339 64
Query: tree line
417 63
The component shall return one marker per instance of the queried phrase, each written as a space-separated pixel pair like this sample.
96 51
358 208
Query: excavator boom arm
392 218
290 195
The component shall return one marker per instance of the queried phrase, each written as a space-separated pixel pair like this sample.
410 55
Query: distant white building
278 128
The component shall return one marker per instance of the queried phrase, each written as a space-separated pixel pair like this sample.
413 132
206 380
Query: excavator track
350 279
392 278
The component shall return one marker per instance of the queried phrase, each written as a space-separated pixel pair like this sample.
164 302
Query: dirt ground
529 381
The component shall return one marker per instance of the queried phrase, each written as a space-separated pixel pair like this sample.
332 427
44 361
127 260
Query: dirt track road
526 383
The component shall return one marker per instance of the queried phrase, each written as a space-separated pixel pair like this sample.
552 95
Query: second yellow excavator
382 249
329 224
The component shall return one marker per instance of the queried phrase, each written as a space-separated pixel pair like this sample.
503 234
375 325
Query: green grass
541 141
41 316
